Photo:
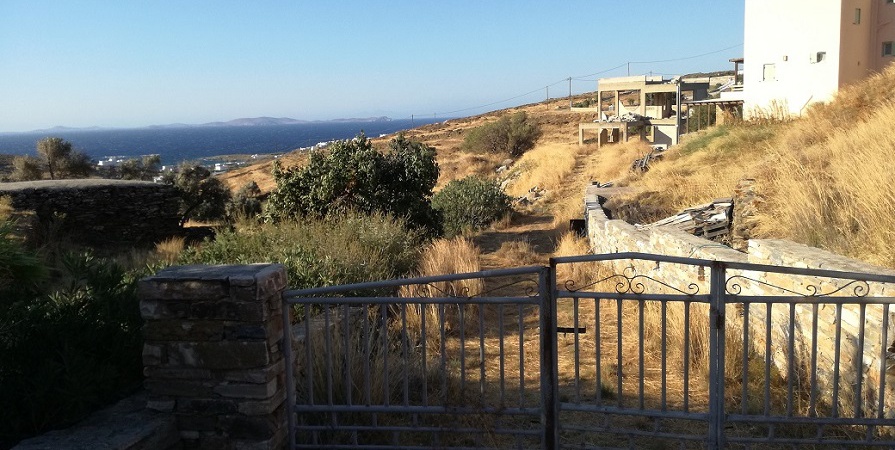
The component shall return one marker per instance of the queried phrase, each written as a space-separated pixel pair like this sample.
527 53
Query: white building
798 52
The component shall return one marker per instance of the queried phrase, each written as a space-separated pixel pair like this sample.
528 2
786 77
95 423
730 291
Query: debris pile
642 164
711 220
626 117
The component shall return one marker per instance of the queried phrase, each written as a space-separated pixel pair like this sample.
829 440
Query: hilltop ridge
824 178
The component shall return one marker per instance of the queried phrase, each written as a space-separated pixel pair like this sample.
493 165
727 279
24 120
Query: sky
137 63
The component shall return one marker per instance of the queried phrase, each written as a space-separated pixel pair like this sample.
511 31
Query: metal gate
598 351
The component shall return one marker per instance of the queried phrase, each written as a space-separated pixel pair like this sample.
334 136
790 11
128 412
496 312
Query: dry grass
836 192
546 166
579 274
6 209
169 249
458 165
707 165
443 256
520 253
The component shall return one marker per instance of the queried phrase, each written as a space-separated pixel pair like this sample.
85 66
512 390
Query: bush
20 270
470 204
352 175
65 354
246 203
326 251
510 134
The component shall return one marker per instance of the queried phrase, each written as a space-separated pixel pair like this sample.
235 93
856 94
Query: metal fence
596 351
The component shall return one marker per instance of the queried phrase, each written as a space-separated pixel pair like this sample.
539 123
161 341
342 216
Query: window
769 72
887 49
857 16
818 57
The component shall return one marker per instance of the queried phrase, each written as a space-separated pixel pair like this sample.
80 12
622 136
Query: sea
197 143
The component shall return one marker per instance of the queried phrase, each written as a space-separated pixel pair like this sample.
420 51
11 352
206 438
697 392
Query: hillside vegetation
824 178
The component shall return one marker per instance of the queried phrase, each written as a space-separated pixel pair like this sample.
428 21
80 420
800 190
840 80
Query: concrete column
212 354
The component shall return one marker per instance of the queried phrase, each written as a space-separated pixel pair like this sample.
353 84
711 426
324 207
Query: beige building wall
799 52
856 30
884 32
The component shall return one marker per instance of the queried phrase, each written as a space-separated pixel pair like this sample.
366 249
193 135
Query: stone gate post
212 354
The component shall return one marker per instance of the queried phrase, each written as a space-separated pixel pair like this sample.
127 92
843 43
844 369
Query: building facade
798 52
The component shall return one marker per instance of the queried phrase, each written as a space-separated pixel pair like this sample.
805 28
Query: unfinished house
645 105
725 103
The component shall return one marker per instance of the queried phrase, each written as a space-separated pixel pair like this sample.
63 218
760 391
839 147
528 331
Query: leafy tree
203 197
144 168
470 204
60 160
55 157
352 175
513 134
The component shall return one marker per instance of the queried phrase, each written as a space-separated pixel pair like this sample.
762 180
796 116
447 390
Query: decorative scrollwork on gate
859 288
456 289
629 282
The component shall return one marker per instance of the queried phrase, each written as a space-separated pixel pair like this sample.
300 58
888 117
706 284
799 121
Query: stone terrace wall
99 212
614 236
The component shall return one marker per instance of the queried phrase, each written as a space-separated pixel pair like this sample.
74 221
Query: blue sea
196 143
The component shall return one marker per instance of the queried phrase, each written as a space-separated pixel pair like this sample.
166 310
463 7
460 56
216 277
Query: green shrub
67 353
513 134
341 249
20 270
470 204
352 175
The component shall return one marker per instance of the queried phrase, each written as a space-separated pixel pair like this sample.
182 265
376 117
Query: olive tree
144 168
54 157
203 197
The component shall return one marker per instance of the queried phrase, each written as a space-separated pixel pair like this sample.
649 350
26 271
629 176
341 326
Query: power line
687 57
586 78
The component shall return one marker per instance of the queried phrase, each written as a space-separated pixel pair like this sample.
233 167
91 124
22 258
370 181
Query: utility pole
411 121
570 93
548 93
629 68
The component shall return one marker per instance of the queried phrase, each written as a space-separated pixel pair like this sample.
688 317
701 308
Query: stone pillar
745 206
212 354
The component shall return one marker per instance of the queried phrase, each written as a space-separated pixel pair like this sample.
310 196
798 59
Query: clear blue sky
135 63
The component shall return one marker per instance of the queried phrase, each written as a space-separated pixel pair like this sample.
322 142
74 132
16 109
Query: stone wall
863 344
213 353
99 212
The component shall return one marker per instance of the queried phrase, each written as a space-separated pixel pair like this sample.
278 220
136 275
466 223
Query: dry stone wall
864 332
99 212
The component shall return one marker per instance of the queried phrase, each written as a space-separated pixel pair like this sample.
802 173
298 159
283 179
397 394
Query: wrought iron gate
596 351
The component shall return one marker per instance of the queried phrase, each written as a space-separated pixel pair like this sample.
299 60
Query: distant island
242 122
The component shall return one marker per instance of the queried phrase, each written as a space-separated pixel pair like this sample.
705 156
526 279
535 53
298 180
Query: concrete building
799 52
645 103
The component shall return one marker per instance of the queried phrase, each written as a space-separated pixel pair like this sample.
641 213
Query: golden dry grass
836 192
6 209
443 256
546 166
169 249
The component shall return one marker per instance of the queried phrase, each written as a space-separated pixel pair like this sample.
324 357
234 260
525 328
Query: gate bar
549 380
716 355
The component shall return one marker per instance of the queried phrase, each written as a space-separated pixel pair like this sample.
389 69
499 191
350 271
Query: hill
824 179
